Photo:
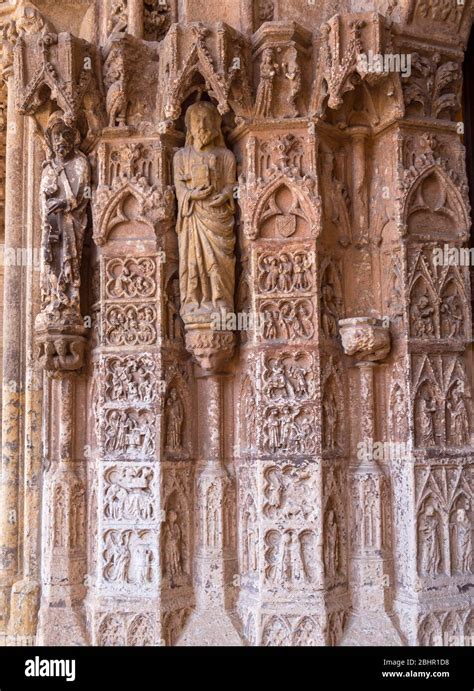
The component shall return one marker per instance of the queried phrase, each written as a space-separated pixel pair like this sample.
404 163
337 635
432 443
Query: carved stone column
279 465
135 18
25 592
367 340
215 557
64 528
142 400
360 202
12 374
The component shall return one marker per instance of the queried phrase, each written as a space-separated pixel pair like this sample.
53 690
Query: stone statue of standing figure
65 194
204 178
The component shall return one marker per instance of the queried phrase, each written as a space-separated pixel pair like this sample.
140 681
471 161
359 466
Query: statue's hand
218 200
55 205
201 192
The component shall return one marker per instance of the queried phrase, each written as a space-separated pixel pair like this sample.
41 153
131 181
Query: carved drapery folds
53 73
204 177
250 275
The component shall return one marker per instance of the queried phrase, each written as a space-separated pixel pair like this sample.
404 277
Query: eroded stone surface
240 362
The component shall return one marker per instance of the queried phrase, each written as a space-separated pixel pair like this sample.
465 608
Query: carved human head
60 137
203 124
28 19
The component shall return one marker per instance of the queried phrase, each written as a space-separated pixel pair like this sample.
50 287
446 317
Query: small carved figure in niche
278 382
65 194
59 517
395 300
285 273
270 324
298 571
429 542
330 420
422 313
287 426
451 316
329 311
292 72
265 10
370 512
302 270
204 176
285 566
77 517
250 417
114 499
293 321
268 71
172 539
331 545
428 409
461 536
271 270
117 556
300 383
143 560
156 19
273 427
274 491
174 421
458 418
399 413
251 545
115 81
175 325
118 21
111 632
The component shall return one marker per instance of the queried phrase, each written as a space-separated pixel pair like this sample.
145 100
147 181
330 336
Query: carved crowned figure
65 186
204 177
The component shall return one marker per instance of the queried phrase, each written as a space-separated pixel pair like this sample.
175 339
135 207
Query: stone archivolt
201 486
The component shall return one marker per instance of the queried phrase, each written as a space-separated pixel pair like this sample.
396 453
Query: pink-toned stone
237 392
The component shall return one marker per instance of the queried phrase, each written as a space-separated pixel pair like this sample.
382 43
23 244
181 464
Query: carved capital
212 350
60 353
365 338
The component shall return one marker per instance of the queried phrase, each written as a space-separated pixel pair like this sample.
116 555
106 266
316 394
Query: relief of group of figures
437 300
444 528
442 405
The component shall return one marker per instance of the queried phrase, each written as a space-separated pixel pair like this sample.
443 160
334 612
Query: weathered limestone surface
237 380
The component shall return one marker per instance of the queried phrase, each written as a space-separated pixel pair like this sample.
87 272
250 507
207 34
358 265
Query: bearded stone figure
204 178
65 187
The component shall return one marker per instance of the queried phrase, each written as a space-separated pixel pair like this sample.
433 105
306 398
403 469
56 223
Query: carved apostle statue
65 193
204 177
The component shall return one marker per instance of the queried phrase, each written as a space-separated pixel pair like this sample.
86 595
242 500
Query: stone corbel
366 339
60 353
212 350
